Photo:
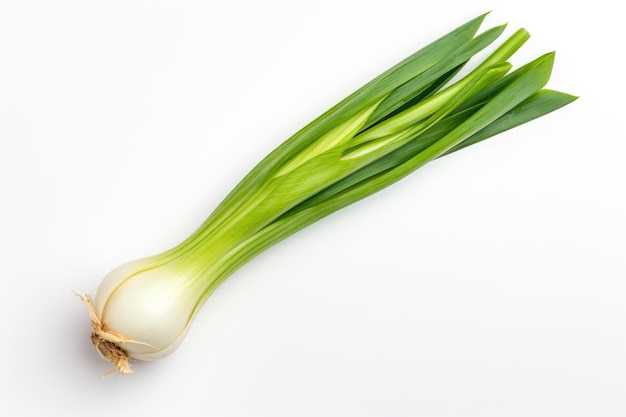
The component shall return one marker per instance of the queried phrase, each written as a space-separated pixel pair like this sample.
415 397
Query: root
106 341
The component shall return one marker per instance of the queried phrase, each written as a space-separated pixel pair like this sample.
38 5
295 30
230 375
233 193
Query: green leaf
355 103
407 91
537 105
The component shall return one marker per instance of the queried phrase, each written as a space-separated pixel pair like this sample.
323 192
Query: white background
490 283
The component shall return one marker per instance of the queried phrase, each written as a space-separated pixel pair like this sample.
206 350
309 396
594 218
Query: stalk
401 120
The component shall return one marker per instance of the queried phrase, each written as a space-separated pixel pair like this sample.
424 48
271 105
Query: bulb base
106 341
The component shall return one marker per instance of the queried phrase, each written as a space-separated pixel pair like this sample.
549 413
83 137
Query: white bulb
143 310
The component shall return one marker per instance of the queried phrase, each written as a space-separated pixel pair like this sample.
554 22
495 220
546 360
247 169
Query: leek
406 117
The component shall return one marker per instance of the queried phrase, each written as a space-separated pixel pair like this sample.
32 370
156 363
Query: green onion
406 117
